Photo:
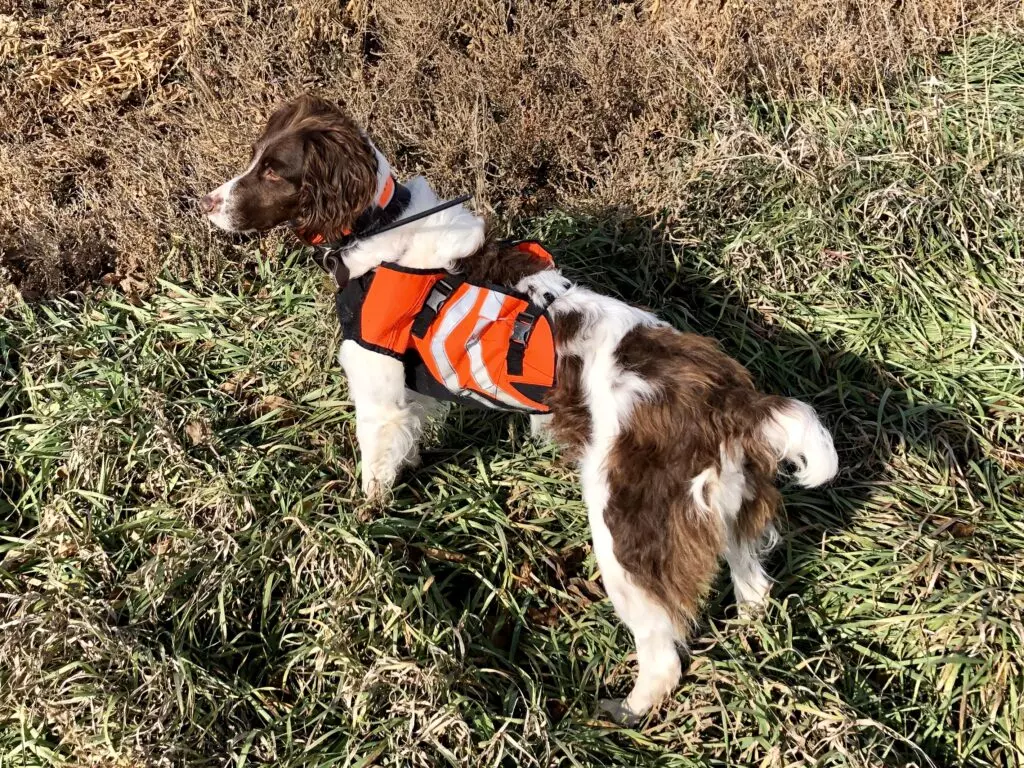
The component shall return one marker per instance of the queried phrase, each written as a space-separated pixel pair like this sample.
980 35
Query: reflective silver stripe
474 396
489 312
491 308
454 315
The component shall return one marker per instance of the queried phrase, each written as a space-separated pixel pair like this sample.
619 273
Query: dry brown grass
114 116
188 575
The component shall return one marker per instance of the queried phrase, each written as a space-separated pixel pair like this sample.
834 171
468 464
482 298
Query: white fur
605 320
223 213
750 583
540 427
387 426
652 628
799 437
383 168
544 287
435 242
698 490
731 485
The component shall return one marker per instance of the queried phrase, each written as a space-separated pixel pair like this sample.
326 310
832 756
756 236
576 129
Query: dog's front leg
386 427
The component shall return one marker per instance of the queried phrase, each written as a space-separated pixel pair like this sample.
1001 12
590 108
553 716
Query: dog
677 451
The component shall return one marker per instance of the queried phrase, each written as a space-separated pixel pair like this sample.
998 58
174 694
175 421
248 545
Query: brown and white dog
678 452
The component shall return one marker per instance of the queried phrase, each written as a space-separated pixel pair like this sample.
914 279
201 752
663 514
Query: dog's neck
384 171
435 242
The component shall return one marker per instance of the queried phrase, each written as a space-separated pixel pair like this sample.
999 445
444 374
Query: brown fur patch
339 178
502 265
567 327
571 420
703 399
570 423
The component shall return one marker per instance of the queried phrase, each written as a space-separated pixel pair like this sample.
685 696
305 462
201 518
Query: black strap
334 266
348 303
439 294
521 331
379 224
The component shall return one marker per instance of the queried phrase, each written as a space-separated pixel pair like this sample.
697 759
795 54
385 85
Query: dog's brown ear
282 117
339 179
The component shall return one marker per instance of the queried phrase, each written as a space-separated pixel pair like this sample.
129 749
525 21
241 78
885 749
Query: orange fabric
387 193
493 340
466 347
534 248
391 306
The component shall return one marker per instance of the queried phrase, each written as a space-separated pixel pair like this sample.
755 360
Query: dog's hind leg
656 636
791 432
750 583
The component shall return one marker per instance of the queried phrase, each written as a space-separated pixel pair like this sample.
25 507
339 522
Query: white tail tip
797 435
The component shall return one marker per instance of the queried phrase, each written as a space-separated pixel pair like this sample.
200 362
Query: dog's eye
270 175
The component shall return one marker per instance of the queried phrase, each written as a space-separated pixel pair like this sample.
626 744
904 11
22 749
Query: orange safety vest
479 344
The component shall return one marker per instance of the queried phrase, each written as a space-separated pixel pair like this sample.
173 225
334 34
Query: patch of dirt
116 116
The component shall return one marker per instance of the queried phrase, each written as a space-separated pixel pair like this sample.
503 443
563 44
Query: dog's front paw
378 498
619 711
377 490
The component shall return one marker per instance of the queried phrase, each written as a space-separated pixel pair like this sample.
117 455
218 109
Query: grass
116 116
189 576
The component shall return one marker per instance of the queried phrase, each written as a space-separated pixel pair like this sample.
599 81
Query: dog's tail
781 430
797 436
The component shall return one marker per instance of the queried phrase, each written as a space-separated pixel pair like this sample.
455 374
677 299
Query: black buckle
522 328
439 294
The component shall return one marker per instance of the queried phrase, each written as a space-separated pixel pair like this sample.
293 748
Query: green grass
189 574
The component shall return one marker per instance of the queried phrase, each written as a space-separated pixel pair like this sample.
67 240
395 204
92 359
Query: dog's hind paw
618 711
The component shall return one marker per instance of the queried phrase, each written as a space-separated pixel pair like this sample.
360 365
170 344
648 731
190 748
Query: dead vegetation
188 573
114 116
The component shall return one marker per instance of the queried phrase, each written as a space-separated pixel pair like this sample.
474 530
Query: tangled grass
189 576
116 116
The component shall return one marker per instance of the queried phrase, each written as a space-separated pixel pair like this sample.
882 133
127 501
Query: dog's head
312 168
